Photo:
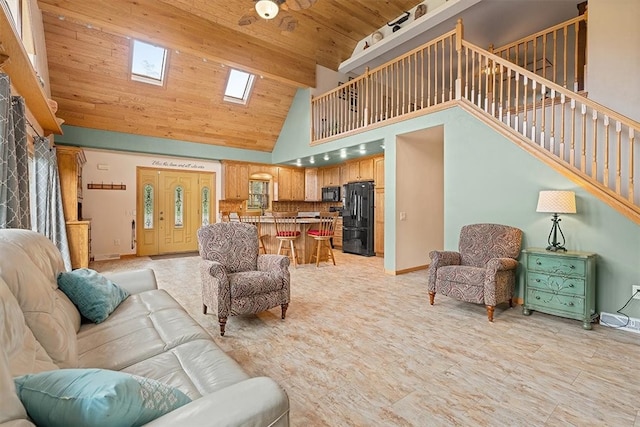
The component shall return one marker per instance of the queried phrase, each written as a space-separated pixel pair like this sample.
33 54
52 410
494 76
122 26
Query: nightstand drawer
556 265
552 303
555 283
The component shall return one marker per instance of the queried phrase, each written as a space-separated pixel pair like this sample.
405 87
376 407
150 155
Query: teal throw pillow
96 397
94 295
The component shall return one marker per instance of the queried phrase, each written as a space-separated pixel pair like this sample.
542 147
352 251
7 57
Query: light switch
403 216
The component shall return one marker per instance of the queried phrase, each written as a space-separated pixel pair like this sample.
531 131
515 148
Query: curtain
50 215
14 160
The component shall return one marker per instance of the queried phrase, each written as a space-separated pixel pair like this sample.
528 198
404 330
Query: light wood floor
361 348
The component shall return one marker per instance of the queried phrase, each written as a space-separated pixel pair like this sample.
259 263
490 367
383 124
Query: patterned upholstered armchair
235 278
484 269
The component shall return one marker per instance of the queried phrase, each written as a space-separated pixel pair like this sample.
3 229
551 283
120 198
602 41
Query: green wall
108 140
488 178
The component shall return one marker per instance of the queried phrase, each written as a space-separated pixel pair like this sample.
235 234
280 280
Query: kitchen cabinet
378 222
560 283
331 176
360 170
312 185
344 175
70 163
262 169
378 166
236 180
290 184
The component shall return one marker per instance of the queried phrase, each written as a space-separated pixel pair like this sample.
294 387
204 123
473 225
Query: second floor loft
530 89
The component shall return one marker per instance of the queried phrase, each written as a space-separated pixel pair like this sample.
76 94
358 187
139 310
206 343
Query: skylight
238 86
148 63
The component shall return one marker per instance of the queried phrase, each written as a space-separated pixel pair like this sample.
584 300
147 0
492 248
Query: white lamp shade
554 201
267 9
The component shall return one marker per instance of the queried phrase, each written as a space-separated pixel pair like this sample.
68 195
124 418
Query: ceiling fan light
267 9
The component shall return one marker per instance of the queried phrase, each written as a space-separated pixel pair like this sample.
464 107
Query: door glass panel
205 205
148 207
179 192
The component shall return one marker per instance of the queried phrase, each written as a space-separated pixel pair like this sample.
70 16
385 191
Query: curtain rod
15 101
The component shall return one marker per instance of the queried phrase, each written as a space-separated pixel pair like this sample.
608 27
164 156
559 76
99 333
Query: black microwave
330 194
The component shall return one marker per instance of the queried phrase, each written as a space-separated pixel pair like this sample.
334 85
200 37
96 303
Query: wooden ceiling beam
176 29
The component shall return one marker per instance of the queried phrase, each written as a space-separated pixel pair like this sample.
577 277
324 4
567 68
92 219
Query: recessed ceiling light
299 162
326 157
312 160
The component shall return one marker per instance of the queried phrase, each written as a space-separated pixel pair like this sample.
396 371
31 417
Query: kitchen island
304 244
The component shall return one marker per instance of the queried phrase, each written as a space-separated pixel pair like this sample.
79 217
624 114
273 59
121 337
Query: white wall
419 196
326 80
111 211
613 58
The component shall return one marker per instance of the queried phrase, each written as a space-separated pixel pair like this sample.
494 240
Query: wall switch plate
635 291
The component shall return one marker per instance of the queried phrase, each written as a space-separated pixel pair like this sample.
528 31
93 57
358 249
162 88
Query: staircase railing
557 53
589 138
592 141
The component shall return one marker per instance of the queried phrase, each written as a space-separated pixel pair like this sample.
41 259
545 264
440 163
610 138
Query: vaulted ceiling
89 54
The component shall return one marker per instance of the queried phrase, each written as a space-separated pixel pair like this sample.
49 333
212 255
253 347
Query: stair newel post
459 35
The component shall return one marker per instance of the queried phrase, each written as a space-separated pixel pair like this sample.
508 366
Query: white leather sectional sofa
149 335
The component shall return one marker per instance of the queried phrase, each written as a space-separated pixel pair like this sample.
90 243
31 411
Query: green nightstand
560 283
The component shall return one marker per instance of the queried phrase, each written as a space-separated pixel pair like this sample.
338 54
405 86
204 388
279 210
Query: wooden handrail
551 85
541 33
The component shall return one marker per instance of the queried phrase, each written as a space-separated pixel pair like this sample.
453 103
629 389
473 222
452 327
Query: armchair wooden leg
490 309
204 309
284 309
432 295
510 302
223 323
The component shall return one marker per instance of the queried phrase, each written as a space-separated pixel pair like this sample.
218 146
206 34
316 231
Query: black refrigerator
357 218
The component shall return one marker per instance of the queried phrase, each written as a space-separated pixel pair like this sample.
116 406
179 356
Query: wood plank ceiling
88 51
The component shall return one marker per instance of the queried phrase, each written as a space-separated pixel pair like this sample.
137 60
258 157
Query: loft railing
556 53
589 139
418 79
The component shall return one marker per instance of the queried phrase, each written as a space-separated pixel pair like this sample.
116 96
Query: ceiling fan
268 9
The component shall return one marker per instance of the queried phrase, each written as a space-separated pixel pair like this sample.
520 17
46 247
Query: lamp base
556 248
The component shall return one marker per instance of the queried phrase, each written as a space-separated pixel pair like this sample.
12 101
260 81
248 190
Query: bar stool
322 236
255 219
287 231
225 216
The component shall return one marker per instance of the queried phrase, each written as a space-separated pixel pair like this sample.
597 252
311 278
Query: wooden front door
171 206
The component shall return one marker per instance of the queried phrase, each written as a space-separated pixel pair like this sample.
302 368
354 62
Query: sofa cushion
23 354
29 266
197 368
94 295
97 397
144 325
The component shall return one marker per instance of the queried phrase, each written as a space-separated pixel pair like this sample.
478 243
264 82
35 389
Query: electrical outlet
635 291
116 242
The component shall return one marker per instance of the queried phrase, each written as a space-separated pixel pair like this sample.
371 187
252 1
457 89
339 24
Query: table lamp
556 202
